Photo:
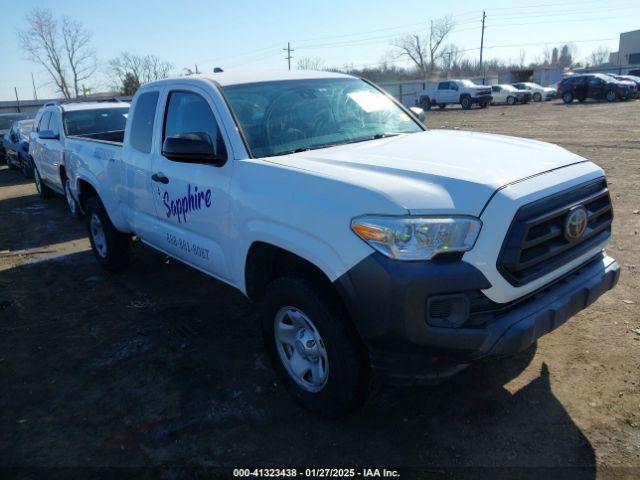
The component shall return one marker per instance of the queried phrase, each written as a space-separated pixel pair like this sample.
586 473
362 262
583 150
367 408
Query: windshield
7 120
89 122
292 115
25 128
509 88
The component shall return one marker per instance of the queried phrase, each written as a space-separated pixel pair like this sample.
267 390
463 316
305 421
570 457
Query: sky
250 34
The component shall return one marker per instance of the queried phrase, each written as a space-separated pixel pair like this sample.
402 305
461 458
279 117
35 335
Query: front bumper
481 99
390 304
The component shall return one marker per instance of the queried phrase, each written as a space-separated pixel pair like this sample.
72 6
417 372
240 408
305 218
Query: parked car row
16 147
466 93
597 86
375 248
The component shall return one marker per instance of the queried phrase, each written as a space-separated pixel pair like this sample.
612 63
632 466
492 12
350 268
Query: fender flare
311 248
113 210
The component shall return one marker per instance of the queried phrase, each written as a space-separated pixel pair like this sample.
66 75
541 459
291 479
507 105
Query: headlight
417 238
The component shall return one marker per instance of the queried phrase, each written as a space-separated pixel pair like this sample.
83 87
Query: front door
192 204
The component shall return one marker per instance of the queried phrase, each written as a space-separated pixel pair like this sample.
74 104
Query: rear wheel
44 191
567 97
611 96
74 208
425 103
483 104
442 106
511 100
109 245
312 348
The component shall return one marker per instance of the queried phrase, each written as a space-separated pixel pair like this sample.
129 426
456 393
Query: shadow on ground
163 365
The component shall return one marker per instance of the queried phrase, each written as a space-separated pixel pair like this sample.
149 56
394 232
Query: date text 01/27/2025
184 245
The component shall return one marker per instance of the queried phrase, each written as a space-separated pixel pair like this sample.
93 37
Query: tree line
62 47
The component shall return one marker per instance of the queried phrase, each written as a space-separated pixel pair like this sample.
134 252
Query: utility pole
17 99
288 50
197 72
484 16
35 92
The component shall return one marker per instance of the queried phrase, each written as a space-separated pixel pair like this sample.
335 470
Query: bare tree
307 63
424 52
599 56
412 46
80 56
451 56
129 71
42 45
438 31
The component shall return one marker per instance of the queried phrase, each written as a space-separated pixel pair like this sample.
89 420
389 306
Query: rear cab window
142 122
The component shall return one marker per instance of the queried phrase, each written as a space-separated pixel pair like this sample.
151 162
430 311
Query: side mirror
195 147
48 135
418 112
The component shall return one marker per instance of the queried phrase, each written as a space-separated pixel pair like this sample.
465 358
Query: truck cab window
142 122
188 112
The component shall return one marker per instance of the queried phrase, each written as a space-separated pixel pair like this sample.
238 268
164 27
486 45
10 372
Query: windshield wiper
328 145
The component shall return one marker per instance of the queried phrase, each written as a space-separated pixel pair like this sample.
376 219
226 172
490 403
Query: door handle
160 178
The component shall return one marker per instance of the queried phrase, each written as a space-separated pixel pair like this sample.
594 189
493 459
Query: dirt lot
164 366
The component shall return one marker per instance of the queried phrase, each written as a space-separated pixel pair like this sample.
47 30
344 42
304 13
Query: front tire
611 96
465 102
26 166
110 246
44 191
74 208
511 100
537 97
425 103
312 347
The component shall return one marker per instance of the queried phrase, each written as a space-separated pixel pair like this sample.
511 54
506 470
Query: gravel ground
164 366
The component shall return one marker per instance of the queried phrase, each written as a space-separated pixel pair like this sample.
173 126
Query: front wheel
44 191
109 245
537 97
465 103
611 96
425 103
74 208
26 166
312 347
511 100
483 104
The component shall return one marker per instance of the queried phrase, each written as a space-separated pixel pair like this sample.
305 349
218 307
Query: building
628 51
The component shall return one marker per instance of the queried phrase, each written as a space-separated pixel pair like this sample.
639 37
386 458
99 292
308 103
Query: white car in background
538 92
509 94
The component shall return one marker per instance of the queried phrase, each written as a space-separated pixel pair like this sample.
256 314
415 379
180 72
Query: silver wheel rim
301 349
97 234
37 178
611 96
70 200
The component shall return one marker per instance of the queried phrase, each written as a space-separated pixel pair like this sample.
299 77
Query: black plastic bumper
481 99
388 301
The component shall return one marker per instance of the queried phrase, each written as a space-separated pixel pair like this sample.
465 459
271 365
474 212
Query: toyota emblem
576 223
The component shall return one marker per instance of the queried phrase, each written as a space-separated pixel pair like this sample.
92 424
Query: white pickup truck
464 92
57 126
375 248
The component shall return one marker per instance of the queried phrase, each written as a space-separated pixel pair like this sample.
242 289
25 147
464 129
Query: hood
436 171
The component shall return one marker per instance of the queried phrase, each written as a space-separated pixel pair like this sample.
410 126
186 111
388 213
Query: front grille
536 245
